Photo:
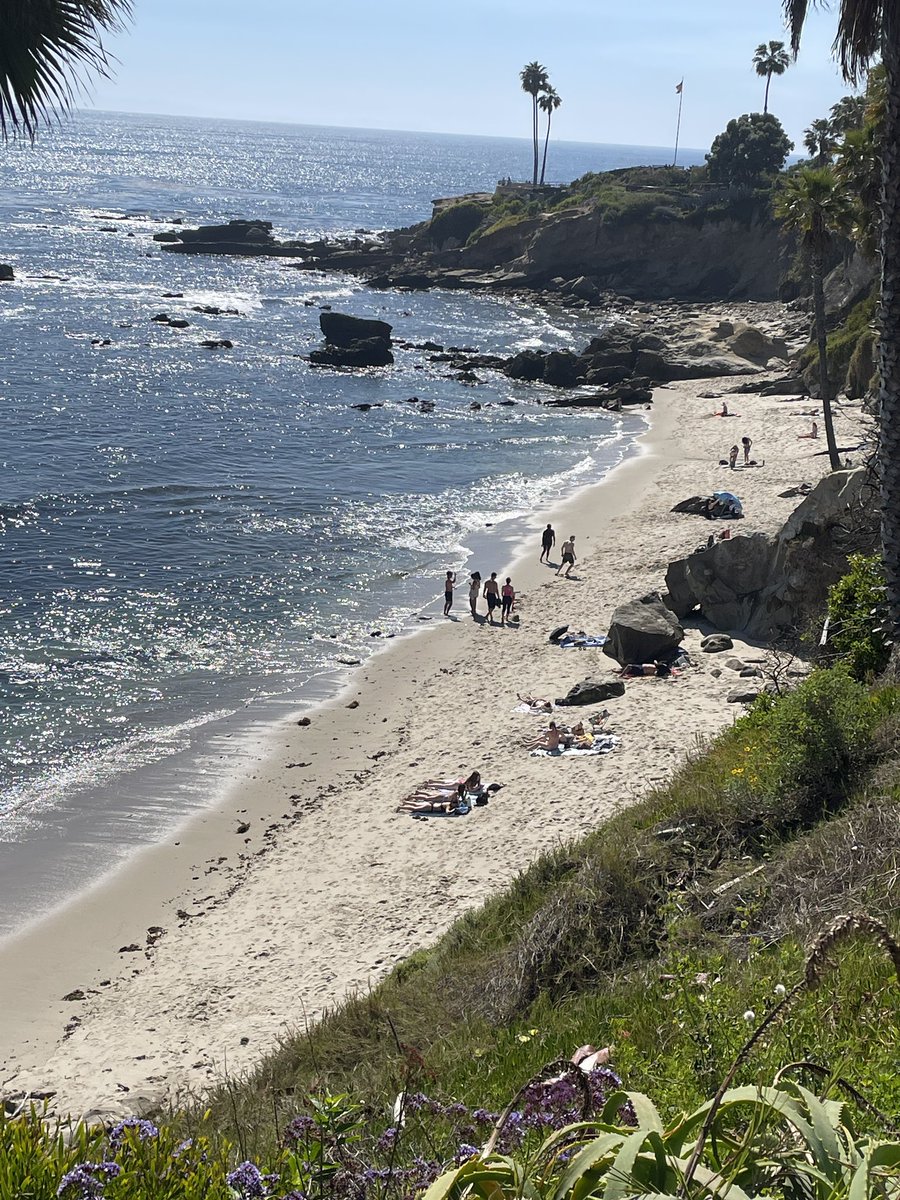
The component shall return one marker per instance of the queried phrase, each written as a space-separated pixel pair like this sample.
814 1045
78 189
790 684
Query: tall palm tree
813 204
549 102
770 59
867 28
819 140
43 44
534 80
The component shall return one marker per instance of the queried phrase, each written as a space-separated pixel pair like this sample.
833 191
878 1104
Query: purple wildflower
182 1147
144 1130
249 1181
388 1138
88 1178
298 1128
465 1151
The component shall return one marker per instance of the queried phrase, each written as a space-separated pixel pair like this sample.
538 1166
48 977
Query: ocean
191 541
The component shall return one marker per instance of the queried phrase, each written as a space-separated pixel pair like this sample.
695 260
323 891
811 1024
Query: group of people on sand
733 453
451 797
502 597
567 550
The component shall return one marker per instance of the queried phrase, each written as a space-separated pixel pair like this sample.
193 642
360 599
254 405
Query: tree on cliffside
534 80
751 148
549 102
867 28
770 59
43 43
813 204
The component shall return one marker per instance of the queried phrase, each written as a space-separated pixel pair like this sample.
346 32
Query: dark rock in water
715 643
527 365
643 631
161 318
6 273
218 344
343 330
211 310
369 352
234 231
366 407
561 369
593 691
179 323
167 235
172 295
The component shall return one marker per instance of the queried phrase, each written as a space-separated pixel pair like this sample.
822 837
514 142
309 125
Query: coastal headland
302 883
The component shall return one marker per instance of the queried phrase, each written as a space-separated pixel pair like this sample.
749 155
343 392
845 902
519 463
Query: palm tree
813 204
770 59
819 140
534 80
44 44
867 28
847 114
549 102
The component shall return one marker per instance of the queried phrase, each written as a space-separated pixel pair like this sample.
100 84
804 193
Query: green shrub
842 342
855 606
457 221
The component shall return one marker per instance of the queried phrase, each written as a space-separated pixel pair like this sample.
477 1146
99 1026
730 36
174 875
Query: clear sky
452 65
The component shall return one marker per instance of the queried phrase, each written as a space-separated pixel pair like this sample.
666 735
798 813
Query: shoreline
312 903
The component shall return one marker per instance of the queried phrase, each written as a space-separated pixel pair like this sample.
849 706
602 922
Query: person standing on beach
448 592
508 599
746 443
474 589
548 541
568 555
492 595
732 457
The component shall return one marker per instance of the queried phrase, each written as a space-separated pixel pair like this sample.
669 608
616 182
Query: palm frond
859 35
44 45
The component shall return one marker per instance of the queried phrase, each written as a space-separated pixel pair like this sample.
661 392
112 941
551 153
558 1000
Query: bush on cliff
843 342
856 609
457 221
750 150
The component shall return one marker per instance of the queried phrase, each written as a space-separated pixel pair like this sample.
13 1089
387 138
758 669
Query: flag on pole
679 87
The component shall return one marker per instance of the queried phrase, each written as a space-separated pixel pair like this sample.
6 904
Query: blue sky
452 65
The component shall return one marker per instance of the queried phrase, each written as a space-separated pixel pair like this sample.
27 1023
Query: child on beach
448 592
508 597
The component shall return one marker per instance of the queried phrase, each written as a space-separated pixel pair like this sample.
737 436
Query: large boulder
643 631
593 691
561 368
765 585
527 365
751 343
6 273
367 352
340 329
235 231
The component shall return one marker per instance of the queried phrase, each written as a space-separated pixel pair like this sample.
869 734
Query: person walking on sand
732 457
746 443
508 600
568 555
449 581
548 541
492 595
474 589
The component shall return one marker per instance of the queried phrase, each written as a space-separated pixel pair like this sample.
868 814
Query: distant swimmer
568 555
449 581
548 541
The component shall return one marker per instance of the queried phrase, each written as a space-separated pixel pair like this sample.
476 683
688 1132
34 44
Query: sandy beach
195 957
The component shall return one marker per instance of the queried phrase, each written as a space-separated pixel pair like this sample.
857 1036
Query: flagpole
680 90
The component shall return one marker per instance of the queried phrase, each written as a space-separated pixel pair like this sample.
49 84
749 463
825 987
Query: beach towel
602 745
582 641
531 710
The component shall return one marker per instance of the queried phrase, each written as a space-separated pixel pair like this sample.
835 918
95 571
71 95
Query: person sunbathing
813 433
535 702
445 787
661 670
549 739
454 802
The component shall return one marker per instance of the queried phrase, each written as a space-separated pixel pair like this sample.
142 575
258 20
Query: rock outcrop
643 631
353 342
7 275
762 585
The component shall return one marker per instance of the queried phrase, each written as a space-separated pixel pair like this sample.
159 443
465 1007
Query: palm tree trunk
766 101
534 139
818 274
889 351
546 144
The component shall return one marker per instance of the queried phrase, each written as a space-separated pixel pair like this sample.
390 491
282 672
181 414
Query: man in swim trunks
568 555
548 541
448 592
492 595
